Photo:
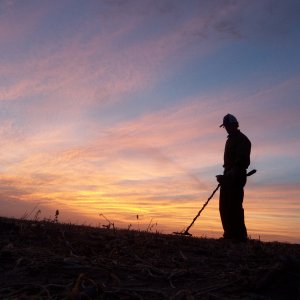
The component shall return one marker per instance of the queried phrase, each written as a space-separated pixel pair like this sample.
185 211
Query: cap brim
222 125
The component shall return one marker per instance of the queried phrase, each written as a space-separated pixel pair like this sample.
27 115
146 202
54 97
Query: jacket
236 153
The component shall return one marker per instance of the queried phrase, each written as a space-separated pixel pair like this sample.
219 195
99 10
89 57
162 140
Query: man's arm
243 149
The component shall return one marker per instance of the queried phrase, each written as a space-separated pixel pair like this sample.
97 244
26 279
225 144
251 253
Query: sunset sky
113 107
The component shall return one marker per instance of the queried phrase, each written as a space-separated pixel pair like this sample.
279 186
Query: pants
231 208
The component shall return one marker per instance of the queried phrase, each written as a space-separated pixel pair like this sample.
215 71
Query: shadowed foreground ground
44 260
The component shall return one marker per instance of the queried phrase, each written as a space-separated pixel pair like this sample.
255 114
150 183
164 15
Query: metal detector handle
251 172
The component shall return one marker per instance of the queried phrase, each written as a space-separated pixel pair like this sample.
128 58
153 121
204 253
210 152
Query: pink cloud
95 71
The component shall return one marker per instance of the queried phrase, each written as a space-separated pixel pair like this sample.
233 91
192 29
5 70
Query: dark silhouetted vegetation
52 260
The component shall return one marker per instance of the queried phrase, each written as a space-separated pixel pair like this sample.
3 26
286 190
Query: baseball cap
229 119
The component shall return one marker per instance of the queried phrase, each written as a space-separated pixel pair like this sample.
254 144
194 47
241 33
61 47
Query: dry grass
49 260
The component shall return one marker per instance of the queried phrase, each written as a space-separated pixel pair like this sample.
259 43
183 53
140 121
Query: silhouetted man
236 161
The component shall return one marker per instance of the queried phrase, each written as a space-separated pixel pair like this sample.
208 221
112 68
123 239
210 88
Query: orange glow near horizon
122 177
154 207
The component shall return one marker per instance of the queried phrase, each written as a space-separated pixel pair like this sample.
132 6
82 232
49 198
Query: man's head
230 123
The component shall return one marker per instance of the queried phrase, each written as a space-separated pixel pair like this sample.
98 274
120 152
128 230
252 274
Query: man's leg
224 208
237 222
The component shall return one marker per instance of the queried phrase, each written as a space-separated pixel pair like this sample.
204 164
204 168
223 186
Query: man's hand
220 178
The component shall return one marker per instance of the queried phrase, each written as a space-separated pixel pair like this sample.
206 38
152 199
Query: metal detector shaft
186 232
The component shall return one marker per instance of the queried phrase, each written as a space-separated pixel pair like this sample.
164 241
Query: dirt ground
49 260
